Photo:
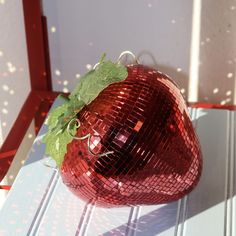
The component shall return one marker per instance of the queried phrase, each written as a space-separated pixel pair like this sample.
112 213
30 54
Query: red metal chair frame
41 95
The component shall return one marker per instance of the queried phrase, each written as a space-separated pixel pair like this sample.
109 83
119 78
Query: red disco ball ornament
152 154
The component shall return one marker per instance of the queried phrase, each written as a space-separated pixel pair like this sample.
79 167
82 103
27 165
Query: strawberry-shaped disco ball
139 145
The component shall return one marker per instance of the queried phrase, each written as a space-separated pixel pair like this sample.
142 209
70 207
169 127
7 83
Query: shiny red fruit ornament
156 155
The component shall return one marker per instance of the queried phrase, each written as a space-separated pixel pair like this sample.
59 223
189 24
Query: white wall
14 75
193 41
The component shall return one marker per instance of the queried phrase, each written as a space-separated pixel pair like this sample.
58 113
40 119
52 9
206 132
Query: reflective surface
144 121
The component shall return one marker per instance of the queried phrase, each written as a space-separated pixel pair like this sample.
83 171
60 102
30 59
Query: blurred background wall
192 41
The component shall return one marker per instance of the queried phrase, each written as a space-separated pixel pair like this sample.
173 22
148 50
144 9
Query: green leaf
96 80
53 117
56 144
89 87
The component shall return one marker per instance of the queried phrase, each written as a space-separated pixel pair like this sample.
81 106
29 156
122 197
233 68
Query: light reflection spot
228 93
53 29
216 90
65 90
65 82
4 111
11 177
230 75
5 87
57 72
89 67
222 102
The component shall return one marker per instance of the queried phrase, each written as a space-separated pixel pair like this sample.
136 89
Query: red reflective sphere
156 155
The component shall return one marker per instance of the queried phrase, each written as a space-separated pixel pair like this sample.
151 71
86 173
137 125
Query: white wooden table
39 204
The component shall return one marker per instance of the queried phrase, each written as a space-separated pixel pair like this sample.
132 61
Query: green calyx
60 128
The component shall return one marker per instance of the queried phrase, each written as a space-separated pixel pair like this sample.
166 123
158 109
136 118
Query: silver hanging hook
77 126
87 136
96 154
127 53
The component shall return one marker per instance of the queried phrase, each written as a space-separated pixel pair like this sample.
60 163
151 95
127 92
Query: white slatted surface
39 204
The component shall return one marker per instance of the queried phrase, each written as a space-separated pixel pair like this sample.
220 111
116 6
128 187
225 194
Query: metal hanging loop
87 136
126 53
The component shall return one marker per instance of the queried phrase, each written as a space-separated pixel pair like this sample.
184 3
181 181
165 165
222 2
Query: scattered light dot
2 1
65 82
228 99
89 67
57 72
21 69
228 93
230 62
182 90
53 29
1 53
4 124
12 91
30 135
227 31
230 75
202 43
11 177
179 69
232 8
149 5
208 40
11 68
206 98
222 102
65 90
5 87
22 162
5 103
77 76
90 44
4 111
216 90
173 21
59 82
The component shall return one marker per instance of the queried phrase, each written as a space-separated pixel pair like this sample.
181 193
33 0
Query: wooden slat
206 203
